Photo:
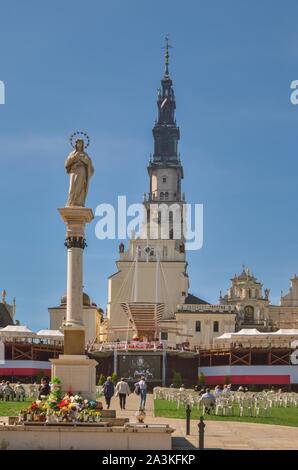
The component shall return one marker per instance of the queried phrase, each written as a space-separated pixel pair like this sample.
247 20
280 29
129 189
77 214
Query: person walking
141 389
108 391
123 390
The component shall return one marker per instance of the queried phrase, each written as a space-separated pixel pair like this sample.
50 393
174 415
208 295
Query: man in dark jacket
44 388
108 391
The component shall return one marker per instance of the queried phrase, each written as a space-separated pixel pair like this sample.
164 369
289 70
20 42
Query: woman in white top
122 389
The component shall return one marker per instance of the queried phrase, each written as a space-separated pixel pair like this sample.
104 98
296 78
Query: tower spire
167 55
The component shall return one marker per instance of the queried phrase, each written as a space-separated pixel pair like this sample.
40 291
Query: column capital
75 242
75 219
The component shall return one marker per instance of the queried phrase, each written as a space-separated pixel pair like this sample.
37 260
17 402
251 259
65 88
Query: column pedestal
77 374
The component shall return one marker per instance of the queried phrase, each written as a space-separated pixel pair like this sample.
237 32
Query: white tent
248 332
224 336
55 335
17 330
286 332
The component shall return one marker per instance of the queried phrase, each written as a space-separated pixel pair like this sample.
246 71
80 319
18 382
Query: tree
177 380
40 375
114 378
201 379
227 380
101 379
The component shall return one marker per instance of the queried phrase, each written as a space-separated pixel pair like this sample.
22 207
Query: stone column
75 219
74 368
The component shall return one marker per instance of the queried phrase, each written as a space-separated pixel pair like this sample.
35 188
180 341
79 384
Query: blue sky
96 65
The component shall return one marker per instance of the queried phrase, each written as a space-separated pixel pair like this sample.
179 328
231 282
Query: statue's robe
80 169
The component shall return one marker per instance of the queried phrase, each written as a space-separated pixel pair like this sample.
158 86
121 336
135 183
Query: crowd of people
9 392
12 392
122 390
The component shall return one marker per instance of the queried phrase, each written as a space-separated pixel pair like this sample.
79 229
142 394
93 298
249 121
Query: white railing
205 308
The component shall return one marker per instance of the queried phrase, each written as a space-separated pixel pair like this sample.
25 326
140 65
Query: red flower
34 406
63 403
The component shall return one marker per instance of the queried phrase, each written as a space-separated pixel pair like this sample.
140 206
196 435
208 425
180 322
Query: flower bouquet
57 408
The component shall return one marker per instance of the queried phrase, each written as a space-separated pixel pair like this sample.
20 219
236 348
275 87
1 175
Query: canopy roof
287 332
16 330
250 332
50 334
143 316
225 336
247 331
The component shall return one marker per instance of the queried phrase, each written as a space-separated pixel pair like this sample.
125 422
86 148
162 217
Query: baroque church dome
86 300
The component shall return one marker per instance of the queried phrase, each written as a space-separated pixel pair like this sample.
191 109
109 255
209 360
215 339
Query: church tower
152 272
165 169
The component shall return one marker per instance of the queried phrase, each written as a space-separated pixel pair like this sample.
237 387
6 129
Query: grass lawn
11 408
280 416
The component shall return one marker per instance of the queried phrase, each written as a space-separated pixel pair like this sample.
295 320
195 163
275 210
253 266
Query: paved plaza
219 434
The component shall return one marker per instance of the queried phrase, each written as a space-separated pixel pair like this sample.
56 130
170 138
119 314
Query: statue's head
80 145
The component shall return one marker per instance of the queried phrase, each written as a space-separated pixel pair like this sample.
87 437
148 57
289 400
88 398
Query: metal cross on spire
167 55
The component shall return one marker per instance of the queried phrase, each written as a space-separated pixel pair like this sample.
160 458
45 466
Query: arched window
248 314
162 195
166 195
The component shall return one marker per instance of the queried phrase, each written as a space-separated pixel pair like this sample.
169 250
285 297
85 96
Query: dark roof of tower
166 133
193 299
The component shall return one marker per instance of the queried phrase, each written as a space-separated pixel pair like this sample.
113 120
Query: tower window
216 326
164 179
166 195
248 314
162 195
198 326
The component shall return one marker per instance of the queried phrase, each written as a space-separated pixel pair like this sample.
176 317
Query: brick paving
219 434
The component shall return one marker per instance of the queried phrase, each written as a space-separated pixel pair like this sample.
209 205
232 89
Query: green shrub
101 379
201 379
177 380
40 375
114 378
55 380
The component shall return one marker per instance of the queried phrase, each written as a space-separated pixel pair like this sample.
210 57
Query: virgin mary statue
79 166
